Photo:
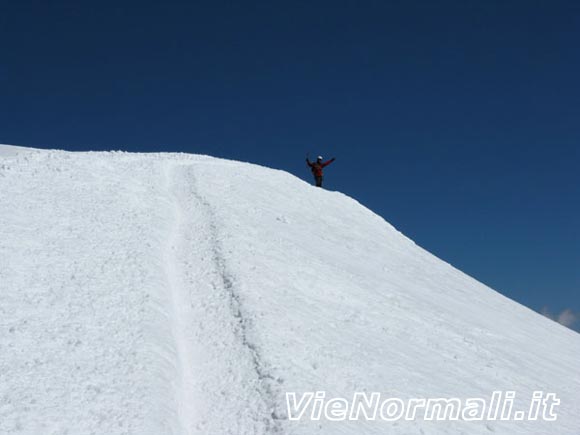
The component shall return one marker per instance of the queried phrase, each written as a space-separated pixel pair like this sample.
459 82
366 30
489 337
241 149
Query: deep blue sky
459 122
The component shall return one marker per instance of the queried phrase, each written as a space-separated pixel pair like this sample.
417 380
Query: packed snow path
209 325
180 294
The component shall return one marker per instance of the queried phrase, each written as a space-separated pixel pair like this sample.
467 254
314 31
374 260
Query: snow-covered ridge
11 150
183 294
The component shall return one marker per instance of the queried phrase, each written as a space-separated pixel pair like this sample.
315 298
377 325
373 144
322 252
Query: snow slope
183 294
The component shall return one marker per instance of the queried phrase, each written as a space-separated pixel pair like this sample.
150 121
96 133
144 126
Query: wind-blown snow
183 294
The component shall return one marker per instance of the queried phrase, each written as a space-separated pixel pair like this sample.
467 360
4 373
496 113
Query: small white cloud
567 317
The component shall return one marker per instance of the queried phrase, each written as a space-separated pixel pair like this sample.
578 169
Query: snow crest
182 294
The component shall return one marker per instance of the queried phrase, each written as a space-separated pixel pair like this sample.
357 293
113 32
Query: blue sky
456 121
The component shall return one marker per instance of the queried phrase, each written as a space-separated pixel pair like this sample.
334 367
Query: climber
317 168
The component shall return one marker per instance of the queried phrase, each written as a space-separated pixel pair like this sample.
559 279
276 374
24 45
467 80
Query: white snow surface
184 294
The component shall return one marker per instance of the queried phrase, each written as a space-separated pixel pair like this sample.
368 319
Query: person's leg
318 181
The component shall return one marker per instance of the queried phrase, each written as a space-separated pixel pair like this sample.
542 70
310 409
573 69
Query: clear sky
457 121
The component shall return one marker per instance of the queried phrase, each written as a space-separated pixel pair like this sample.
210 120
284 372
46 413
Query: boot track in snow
209 326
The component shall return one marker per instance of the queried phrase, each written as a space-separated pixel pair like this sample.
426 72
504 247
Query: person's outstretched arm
328 162
308 162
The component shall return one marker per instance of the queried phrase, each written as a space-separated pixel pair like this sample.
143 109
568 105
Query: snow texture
183 294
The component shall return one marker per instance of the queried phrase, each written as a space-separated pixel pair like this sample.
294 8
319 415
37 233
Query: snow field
182 294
